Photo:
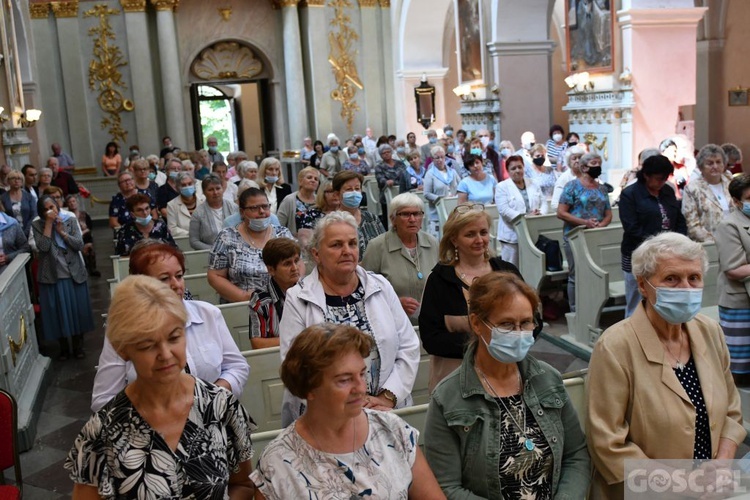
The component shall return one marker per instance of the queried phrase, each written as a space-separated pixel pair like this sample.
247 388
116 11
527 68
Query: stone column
295 77
318 77
388 47
169 62
141 64
373 69
709 92
659 47
74 81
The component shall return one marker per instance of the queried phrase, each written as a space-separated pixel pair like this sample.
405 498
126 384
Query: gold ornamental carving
342 58
226 61
287 3
104 72
15 347
39 10
133 5
385 4
368 3
312 3
170 5
598 147
65 9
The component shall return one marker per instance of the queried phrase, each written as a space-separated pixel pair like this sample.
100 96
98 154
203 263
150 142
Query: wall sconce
425 97
580 82
626 78
3 117
464 91
225 12
29 118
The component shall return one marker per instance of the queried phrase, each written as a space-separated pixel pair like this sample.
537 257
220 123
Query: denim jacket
462 434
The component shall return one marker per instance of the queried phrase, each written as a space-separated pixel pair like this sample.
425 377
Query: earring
455 254
487 253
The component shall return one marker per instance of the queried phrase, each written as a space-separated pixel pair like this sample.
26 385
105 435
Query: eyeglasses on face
254 209
508 327
409 215
469 207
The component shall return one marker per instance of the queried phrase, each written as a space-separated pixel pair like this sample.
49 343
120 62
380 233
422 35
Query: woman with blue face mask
180 209
733 244
502 425
660 385
235 263
271 178
142 226
348 185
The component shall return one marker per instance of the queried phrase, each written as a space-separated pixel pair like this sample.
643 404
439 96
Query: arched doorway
230 99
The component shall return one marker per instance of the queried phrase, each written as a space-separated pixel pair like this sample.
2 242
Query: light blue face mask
476 151
354 156
677 305
143 221
258 225
351 199
187 191
272 179
173 175
506 152
746 208
433 140
151 176
509 347
334 149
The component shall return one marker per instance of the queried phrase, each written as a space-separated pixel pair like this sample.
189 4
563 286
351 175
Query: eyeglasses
469 207
508 327
409 215
125 181
55 197
258 208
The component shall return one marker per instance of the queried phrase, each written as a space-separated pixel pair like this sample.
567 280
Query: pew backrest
236 316
445 206
532 262
198 286
372 191
196 261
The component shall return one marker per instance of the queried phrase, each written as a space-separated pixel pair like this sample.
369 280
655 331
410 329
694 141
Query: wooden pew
236 316
494 216
425 219
196 261
575 385
264 390
444 208
372 192
599 279
183 243
390 193
200 289
531 261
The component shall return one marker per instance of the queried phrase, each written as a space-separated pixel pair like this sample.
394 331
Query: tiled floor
66 404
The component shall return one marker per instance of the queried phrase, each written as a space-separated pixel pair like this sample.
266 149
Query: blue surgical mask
334 149
354 156
476 151
450 150
212 149
506 152
143 221
677 305
509 347
187 191
400 150
433 140
272 179
258 225
449 133
151 176
746 208
173 175
361 151
351 199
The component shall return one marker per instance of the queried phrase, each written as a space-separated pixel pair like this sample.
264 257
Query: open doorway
235 114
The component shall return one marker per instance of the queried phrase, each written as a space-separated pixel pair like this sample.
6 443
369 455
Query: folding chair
9 446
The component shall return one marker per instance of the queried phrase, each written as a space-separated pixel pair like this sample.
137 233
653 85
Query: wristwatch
389 396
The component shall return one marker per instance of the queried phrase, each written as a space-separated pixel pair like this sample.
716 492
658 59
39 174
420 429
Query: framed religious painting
738 97
589 32
469 41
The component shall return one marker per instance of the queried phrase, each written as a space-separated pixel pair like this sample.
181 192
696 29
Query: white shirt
211 354
230 192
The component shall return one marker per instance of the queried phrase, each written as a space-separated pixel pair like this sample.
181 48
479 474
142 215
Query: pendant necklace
415 260
680 365
527 443
349 475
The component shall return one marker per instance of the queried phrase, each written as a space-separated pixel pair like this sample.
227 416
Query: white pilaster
295 78
169 64
373 71
388 50
318 78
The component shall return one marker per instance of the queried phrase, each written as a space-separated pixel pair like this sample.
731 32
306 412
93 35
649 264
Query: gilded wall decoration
166 5
599 147
39 10
65 9
227 61
104 72
133 5
342 58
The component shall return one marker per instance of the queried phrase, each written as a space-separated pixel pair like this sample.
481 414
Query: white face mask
485 141
557 137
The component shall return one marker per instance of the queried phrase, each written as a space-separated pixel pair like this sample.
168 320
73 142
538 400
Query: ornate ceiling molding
226 61
133 5
39 10
65 9
164 5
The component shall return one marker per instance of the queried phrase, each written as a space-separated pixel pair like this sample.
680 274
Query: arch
266 71
420 41
24 55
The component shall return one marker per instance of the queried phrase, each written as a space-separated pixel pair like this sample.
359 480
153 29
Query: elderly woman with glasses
141 227
405 254
464 255
119 215
235 265
180 210
503 426
340 291
17 202
388 173
705 200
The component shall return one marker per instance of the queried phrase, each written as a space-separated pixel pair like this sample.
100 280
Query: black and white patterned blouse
119 453
688 377
369 227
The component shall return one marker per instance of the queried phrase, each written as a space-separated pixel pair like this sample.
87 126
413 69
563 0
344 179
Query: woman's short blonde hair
646 258
316 348
320 198
307 170
137 300
269 162
453 226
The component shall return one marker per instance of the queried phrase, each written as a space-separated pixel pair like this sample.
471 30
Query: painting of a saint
470 40
589 34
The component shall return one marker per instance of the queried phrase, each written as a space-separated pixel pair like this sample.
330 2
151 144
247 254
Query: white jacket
178 215
510 204
394 334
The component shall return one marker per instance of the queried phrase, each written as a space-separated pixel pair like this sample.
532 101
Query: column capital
133 5
39 10
521 48
65 9
312 3
658 18
281 4
385 4
368 3
165 5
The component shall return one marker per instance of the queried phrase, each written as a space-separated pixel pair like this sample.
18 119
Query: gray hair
231 156
45 170
647 257
585 159
152 158
437 149
186 163
384 147
210 179
244 185
241 155
709 151
646 154
405 200
573 150
181 176
244 166
336 217
332 137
